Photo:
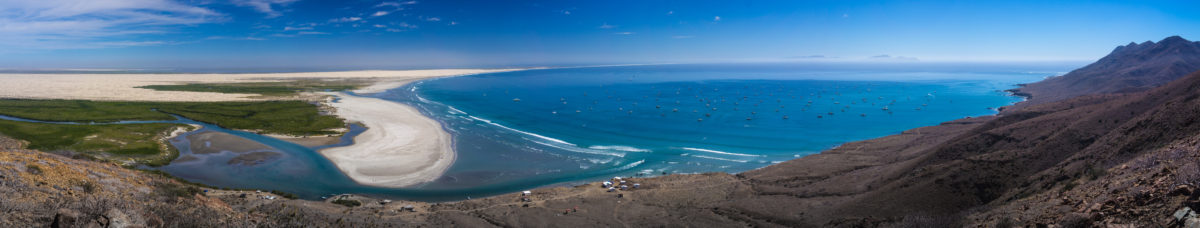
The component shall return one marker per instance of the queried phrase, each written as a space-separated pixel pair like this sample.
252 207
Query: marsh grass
144 142
139 141
278 117
288 88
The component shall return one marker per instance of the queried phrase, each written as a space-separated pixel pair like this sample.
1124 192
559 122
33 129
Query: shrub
348 203
34 169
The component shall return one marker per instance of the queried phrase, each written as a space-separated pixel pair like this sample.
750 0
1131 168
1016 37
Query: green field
141 142
264 88
278 117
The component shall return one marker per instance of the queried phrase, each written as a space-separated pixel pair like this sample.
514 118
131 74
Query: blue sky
374 34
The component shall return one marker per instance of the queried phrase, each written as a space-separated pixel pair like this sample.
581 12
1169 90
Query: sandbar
123 87
400 148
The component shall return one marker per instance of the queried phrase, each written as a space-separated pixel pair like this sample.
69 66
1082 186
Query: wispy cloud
400 27
380 13
607 26
433 19
624 33
395 4
290 28
892 58
717 18
682 37
234 38
265 6
312 33
72 24
345 19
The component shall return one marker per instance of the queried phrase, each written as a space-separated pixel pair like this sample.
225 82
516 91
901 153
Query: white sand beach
401 147
122 87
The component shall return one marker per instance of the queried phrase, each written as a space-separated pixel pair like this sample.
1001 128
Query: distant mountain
1129 68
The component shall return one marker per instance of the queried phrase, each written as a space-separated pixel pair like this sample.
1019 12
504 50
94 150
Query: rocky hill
1130 68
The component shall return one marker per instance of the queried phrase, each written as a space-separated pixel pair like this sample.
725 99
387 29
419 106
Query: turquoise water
572 125
581 124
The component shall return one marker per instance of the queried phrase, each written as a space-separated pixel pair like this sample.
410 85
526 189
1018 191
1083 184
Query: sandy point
400 148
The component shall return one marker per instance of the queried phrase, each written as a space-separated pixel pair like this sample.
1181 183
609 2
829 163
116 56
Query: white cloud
624 33
394 4
892 58
234 38
607 26
845 15
405 25
380 26
72 24
433 19
264 6
670 12
717 18
453 23
312 33
132 43
566 12
380 13
345 19
399 27
290 28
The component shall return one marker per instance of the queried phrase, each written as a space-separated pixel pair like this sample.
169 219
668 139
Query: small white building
624 187
636 185
527 193
607 184
611 189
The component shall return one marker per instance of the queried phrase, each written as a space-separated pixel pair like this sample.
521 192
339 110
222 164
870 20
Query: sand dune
123 86
401 147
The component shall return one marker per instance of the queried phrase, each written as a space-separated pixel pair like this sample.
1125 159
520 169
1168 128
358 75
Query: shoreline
123 87
401 147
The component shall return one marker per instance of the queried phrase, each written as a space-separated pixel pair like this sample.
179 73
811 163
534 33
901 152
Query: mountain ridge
1128 68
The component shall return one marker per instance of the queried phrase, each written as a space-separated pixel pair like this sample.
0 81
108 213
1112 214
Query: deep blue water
573 125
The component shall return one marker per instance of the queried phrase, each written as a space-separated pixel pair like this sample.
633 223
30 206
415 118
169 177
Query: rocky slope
1130 68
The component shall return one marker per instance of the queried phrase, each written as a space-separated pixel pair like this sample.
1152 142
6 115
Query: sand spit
122 87
401 147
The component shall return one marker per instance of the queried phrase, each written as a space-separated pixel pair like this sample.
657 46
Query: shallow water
584 124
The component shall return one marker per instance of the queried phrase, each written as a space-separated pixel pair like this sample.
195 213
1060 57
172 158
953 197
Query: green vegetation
143 142
138 141
348 203
279 117
34 169
264 88
285 194
79 111
174 190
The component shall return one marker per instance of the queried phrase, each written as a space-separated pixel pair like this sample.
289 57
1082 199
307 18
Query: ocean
521 130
